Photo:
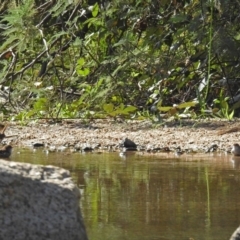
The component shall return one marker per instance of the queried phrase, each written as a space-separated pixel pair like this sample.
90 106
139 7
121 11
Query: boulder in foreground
236 235
39 202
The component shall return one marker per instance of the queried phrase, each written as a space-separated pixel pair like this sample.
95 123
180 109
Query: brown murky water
152 197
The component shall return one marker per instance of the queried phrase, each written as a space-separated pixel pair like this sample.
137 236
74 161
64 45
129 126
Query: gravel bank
192 136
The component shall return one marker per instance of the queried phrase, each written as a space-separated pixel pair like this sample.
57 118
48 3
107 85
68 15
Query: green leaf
114 98
186 104
237 37
40 104
121 42
120 112
83 72
80 62
130 109
230 116
224 105
95 10
164 109
99 82
159 104
121 106
108 107
178 18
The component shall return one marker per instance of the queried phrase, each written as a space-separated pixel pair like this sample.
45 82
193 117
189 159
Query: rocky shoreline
107 135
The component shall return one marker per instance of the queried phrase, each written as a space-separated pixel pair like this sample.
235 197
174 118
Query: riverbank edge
107 134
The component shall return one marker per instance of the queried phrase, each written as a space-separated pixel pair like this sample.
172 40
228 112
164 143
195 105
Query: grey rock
236 235
39 203
37 145
84 147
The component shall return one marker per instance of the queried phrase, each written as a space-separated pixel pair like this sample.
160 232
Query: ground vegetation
130 59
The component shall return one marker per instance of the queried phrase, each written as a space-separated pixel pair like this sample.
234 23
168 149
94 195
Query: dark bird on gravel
235 149
6 151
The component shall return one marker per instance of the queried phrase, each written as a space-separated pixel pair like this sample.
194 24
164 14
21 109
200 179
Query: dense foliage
70 58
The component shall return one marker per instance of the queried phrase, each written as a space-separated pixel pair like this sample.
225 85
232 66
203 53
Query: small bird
179 151
235 149
6 151
2 130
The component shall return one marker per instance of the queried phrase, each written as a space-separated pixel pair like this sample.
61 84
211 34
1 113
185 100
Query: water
152 197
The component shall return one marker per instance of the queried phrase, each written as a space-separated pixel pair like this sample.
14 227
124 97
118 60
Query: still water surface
152 197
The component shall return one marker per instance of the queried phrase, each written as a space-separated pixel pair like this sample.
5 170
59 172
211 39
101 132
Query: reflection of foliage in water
132 196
